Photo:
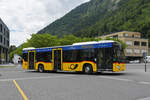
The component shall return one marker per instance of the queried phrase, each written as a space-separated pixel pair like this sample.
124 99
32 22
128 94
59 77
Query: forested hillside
99 17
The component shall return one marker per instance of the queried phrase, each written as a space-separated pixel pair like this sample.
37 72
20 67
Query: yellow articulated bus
87 57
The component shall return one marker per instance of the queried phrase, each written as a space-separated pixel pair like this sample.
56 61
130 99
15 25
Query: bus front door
31 60
57 59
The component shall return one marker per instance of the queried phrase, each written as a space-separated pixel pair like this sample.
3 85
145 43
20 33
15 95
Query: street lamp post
144 56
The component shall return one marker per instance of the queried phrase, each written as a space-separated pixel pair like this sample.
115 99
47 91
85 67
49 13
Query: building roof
116 33
4 23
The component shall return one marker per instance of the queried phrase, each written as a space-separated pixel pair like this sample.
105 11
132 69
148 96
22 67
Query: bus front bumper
117 67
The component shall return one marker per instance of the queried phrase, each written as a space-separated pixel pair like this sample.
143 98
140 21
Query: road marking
148 98
20 90
11 71
126 80
119 79
148 83
30 78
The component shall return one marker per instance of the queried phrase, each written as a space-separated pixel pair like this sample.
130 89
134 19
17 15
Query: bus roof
30 48
82 45
94 42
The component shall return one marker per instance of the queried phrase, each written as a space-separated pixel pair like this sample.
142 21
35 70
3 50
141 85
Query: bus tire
40 68
87 69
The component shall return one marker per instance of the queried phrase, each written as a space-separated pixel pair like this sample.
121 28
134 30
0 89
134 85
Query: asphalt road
132 84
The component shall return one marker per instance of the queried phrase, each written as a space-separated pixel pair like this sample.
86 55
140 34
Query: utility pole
145 66
144 57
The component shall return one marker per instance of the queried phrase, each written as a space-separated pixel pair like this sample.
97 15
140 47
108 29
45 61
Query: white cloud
24 17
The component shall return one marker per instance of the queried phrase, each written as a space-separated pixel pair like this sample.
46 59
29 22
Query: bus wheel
87 69
41 68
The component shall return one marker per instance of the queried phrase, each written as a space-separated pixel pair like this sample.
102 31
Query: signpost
144 55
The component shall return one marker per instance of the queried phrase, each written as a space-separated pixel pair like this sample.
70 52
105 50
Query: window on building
121 35
4 31
129 43
136 51
8 34
129 51
1 28
143 44
1 39
126 34
136 43
115 36
4 41
7 43
143 51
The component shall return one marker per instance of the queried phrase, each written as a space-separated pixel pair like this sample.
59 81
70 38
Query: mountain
99 17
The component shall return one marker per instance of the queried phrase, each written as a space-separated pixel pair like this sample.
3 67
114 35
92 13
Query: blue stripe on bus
39 50
43 50
25 51
75 47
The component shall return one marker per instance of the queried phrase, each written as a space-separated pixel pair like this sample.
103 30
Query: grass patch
6 66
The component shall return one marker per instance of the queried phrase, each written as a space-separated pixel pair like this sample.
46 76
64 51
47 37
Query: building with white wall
136 45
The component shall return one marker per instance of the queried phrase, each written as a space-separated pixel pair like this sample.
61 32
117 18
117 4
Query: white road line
10 71
30 78
126 80
119 79
148 98
148 83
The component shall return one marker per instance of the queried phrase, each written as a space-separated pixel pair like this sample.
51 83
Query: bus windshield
118 54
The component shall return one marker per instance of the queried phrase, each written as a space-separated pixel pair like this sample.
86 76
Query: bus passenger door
31 59
57 58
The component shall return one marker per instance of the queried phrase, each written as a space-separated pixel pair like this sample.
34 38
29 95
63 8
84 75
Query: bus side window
44 56
88 54
100 56
70 56
25 56
100 53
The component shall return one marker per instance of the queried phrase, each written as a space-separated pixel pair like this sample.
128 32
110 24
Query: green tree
43 40
12 48
18 50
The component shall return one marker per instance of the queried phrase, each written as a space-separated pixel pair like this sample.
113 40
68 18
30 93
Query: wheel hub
87 69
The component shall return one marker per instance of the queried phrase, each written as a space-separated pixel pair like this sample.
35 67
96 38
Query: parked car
147 59
134 61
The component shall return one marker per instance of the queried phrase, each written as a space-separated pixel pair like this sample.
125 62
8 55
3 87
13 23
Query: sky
26 17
